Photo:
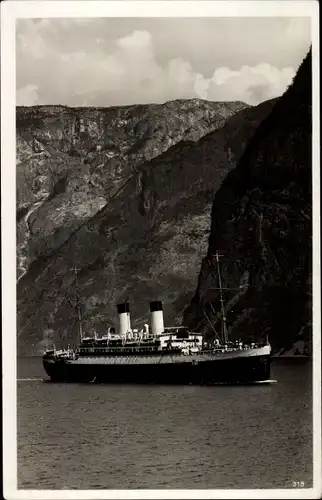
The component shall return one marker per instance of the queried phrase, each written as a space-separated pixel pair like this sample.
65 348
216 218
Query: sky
122 61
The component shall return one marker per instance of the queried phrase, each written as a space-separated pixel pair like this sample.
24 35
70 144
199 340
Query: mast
223 323
212 326
80 327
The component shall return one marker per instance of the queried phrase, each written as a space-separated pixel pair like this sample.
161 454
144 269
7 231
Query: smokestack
157 325
124 318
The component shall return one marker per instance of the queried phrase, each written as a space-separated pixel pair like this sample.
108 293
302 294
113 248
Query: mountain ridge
89 153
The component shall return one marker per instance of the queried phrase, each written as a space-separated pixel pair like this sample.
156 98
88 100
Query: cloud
31 39
27 96
54 69
251 84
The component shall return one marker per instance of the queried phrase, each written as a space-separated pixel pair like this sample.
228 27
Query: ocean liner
157 354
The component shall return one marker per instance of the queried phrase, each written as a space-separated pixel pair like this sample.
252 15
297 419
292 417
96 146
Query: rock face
72 161
124 194
261 224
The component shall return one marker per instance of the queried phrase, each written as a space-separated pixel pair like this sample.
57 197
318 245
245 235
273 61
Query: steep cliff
72 161
136 225
262 225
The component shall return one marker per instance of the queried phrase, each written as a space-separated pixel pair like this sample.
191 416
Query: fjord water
123 436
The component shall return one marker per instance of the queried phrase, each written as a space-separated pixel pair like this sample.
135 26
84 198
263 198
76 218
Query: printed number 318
298 484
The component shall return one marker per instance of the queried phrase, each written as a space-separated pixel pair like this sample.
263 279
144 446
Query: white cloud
250 84
54 68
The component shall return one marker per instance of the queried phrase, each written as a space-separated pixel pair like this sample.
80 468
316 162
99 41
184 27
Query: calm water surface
105 436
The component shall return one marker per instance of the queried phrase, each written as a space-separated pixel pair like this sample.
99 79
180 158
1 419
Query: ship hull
183 370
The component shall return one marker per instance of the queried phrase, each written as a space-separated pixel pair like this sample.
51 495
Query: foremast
77 305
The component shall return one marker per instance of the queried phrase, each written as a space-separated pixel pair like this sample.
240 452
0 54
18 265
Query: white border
12 10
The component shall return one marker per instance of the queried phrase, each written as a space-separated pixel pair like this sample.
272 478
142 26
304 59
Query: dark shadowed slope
145 242
262 224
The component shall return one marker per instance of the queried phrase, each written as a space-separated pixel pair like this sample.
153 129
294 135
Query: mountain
261 223
124 194
72 161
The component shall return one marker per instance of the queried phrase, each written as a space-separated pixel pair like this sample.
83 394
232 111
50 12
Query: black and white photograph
161 249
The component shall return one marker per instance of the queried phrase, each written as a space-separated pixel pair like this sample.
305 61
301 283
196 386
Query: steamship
158 355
